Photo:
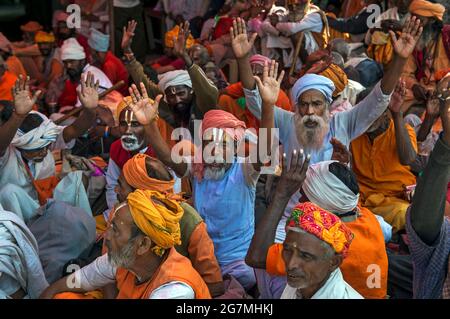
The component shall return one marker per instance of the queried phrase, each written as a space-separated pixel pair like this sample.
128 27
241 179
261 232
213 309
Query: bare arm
269 89
291 181
406 152
23 104
88 96
242 47
403 48
430 118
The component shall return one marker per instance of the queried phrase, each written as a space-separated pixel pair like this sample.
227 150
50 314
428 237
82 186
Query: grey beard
131 146
311 139
214 174
124 258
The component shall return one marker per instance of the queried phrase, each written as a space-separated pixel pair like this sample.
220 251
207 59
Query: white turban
313 82
325 189
40 137
72 50
174 78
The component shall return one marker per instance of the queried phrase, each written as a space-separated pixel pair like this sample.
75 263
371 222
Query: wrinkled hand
292 177
239 39
127 35
405 44
23 102
340 152
433 105
145 109
88 94
180 42
398 97
269 87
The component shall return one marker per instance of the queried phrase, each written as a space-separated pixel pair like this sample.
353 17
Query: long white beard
311 139
124 258
214 173
132 145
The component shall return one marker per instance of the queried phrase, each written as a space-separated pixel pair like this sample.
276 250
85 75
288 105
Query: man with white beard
311 128
132 141
223 188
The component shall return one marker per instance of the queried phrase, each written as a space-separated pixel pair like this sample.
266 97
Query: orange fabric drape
7 82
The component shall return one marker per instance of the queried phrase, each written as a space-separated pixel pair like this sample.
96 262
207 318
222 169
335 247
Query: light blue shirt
344 126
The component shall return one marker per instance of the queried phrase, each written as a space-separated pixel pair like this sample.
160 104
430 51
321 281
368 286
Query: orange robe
441 65
174 268
228 102
367 249
381 177
15 66
7 82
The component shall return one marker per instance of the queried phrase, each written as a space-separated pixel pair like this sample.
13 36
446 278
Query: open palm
405 44
144 108
269 87
23 102
398 97
128 34
240 42
89 92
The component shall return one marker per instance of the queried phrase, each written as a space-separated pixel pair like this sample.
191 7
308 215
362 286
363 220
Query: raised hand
23 102
405 44
269 87
239 39
292 177
433 106
340 152
144 108
398 97
127 35
180 42
444 97
88 94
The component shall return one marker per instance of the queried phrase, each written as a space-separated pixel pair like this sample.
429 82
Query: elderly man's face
308 262
63 32
36 156
312 119
199 55
218 151
179 98
131 131
122 250
257 70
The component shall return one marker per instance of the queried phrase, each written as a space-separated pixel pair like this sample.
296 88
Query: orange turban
427 9
173 33
123 105
136 174
42 36
160 222
322 224
337 75
31 26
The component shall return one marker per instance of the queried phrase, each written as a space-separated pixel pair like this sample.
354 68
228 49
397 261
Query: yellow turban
174 34
42 36
427 9
159 222
123 105
338 76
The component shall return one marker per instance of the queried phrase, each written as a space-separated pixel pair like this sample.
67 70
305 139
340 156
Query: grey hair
330 252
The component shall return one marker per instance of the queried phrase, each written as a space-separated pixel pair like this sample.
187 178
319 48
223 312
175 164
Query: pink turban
259 59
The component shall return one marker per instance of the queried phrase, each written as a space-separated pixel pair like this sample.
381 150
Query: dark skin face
379 126
35 155
130 124
403 5
62 31
180 99
307 265
199 55
155 169
74 68
45 48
